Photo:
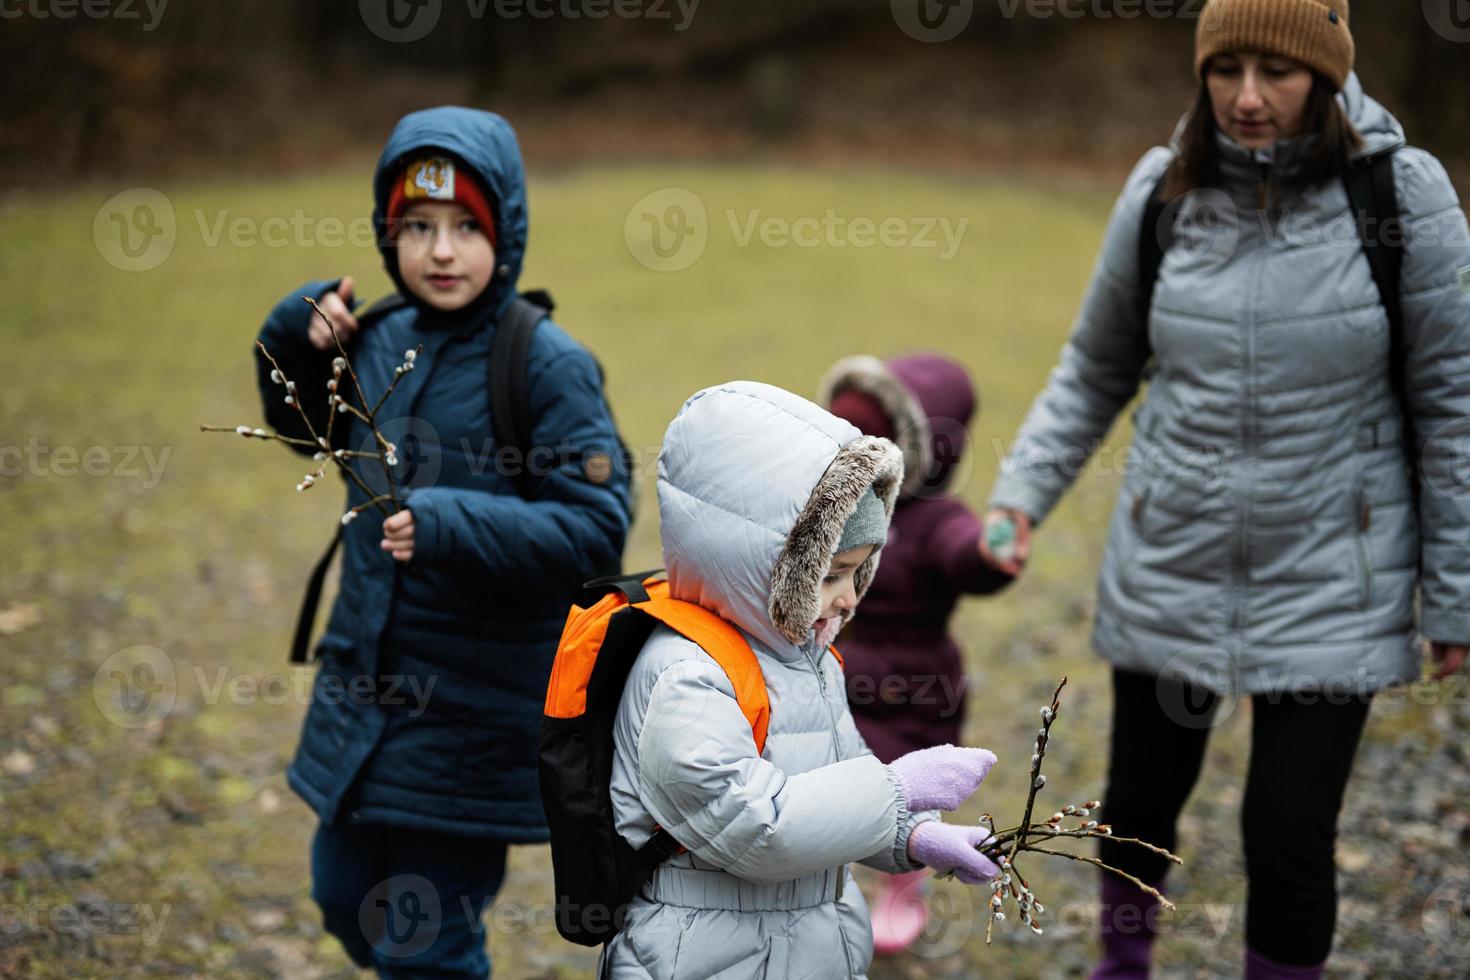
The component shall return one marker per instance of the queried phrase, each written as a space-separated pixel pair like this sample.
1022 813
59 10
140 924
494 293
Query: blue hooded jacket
427 706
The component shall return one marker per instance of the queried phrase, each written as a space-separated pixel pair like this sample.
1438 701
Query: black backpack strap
1153 241
1373 197
510 394
312 598
309 602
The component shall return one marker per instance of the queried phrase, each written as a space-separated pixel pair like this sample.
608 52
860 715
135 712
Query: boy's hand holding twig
337 305
398 535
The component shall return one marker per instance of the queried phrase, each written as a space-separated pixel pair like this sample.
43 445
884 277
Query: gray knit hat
867 525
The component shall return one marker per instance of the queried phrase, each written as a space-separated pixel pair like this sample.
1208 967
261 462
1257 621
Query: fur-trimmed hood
754 486
929 399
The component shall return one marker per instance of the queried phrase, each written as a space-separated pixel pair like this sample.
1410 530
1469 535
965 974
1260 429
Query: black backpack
1371 191
510 421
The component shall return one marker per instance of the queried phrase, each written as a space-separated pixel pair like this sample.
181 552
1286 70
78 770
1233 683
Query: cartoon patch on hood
484 143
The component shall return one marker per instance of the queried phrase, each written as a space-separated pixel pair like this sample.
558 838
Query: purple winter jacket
905 676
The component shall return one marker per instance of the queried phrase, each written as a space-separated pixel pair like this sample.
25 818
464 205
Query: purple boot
1126 921
1258 967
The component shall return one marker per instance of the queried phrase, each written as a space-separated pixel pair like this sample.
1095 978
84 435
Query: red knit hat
437 178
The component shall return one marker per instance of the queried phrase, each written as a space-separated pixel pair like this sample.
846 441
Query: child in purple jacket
905 678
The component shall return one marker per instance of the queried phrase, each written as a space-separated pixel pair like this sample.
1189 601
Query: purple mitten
948 847
943 777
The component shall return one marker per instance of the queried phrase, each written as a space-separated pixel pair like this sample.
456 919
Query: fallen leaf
19 616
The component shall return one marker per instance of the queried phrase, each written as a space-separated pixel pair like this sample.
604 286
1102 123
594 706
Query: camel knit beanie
1314 32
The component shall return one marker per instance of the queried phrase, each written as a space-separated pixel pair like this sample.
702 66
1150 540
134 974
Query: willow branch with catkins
388 501
1030 837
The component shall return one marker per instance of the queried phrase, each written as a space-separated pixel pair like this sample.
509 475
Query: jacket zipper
813 660
1242 543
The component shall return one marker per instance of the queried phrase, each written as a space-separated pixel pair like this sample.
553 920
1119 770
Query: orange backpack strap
841 664
726 647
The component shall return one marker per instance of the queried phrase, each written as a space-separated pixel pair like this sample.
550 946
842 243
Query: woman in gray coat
1269 536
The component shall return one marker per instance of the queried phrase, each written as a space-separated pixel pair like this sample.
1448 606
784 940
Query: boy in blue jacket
418 753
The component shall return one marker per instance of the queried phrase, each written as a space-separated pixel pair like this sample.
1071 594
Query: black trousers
1302 749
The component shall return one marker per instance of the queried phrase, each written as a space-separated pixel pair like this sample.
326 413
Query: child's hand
338 306
943 777
950 848
1012 558
1449 657
398 535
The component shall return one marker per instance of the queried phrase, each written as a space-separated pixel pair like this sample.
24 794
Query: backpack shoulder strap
1152 244
1373 196
1153 241
1375 203
725 646
510 396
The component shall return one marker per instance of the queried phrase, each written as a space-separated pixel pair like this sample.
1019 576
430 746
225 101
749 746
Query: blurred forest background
164 87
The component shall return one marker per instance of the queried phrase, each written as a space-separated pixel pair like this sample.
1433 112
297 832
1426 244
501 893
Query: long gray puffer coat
754 485
1265 539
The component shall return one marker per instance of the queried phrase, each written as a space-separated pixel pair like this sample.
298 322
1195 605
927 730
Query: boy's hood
486 144
929 400
754 486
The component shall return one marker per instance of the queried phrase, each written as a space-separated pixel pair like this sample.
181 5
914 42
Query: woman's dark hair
1198 165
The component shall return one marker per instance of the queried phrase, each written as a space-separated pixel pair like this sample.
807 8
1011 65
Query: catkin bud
244 430
349 517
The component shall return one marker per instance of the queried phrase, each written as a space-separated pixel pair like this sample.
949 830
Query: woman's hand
1013 558
1449 656
337 305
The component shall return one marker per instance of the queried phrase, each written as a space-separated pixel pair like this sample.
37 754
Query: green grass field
176 848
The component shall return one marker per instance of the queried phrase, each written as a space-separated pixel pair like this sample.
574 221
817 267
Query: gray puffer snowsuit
754 485
1265 539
